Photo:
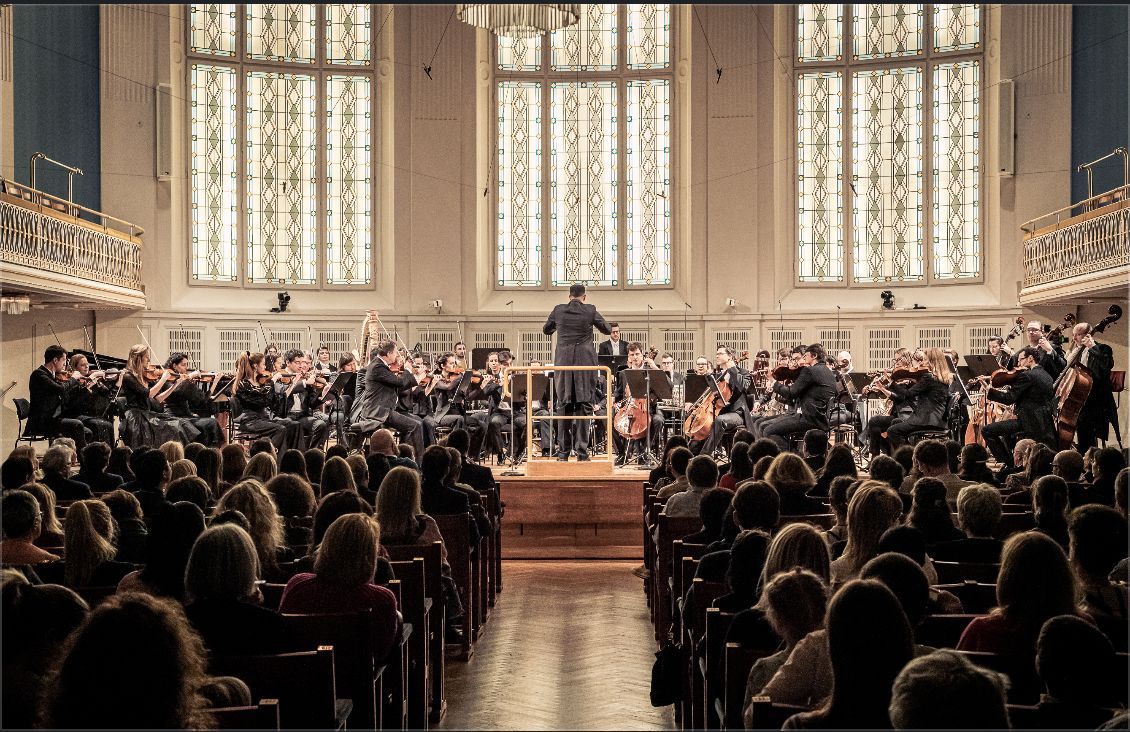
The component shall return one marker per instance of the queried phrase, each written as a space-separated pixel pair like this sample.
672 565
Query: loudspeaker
164 145
1006 127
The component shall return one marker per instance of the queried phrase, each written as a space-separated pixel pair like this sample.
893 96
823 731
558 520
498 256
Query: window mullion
546 170
848 190
622 264
321 138
241 144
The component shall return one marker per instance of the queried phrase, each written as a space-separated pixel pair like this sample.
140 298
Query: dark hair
344 360
293 495
152 468
95 457
52 353
905 540
434 465
232 516
292 355
208 464
332 507
1098 538
15 471
315 461
1107 462
747 558
887 470
460 439
702 472
233 463
578 290
122 504
337 450
930 511
378 467
1039 463
172 531
674 441
904 456
679 459
839 462
1027 351
904 577
384 348
712 510
953 453
294 462
761 448
37 622
1073 658
175 358
406 451
191 488
817 352
931 454
192 449
973 464
757 505
743 435
20 511
838 491
740 466
120 462
635 346
816 442
263 444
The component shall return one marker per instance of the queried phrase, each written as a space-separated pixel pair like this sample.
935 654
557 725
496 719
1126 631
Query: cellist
1099 409
735 414
624 446
1033 394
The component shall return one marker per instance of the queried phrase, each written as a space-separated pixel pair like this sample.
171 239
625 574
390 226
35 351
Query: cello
700 420
1074 386
632 417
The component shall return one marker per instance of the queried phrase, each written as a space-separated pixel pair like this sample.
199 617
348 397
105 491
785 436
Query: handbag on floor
667 675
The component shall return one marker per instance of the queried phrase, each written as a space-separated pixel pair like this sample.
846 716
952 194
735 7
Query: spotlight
731 302
888 300
284 301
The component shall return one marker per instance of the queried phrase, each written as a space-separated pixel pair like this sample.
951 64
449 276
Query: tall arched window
283 141
583 152
888 143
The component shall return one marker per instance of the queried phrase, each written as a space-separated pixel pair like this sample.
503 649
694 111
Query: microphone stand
512 462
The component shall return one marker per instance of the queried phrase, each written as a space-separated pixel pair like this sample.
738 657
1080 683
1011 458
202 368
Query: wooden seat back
264 715
822 521
303 683
1024 684
456 533
976 597
942 631
1014 523
669 529
714 645
414 607
684 559
736 664
437 617
272 594
954 572
767 715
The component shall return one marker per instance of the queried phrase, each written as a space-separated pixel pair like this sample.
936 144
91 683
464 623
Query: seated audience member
904 456
869 642
1037 464
1098 542
149 488
342 580
38 621
360 469
261 467
761 468
192 449
22 522
95 460
886 469
172 450
436 497
838 500
293 462
250 498
763 447
89 552
337 476
815 449
474 498
56 466
930 512
120 462
755 506
223 600
51 529
973 464
189 488
1068 464
315 461
741 469
1050 507
1121 483
382 442
406 452
1074 659
677 464
953 450
209 463
794 603
931 460
136 664
978 513
792 478
16 471
747 560
839 462
233 464
1019 457
944 690
907 540
904 577
172 532
294 499
478 477
873 509
378 467
262 444
1106 464
330 508
712 510
181 468
132 533
233 517
659 475
337 450
702 475
26 451
1035 583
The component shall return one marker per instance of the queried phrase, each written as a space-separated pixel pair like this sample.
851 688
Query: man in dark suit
812 391
613 346
1050 357
735 414
1033 394
46 397
573 322
1099 410
379 400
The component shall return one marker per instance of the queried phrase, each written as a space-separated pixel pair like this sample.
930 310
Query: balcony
64 252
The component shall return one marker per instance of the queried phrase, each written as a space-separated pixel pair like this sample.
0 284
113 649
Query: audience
120 462
839 462
293 462
930 512
209 463
152 471
741 469
190 488
16 471
838 495
747 560
95 461
192 449
250 498
1050 507
181 468
437 498
89 551
261 467
904 456
172 450
886 469
132 533
359 466
978 513
1037 464
51 531
315 461
792 478
295 501
1098 541
1074 661
22 522
56 466
712 511
172 532
873 509
815 449
944 690
702 475
931 460
232 464
1105 466
677 462
337 476
973 464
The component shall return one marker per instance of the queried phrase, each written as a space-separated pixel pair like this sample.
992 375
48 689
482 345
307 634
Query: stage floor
573 517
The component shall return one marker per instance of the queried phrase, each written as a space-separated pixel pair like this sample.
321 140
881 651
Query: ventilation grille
233 344
881 346
338 341
630 336
533 345
680 344
834 340
940 337
286 339
977 337
735 339
187 341
786 339
490 340
436 342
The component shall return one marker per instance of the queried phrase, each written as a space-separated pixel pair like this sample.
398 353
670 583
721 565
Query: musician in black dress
1048 356
89 402
146 422
900 407
735 414
812 390
188 401
444 389
340 405
625 447
46 398
1033 396
255 395
1099 411
929 394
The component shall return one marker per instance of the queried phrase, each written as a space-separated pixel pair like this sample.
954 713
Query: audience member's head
930 458
190 488
747 560
742 435
797 545
456 466
929 511
263 444
20 515
360 469
1074 660
788 473
978 510
904 456
120 462
794 602
873 508
45 497
261 467
209 462
89 535
337 476
251 498
1098 537
332 506
905 540
315 461
763 447
294 462
382 441
904 577
838 497
1039 463
761 467
1035 583
953 452
1108 461
434 465
756 505
886 469
815 443
406 451
678 460
740 466
712 510
56 461
702 472
152 470
398 504
1068 464
839 462
95 458
1120 485
191 450
172 450
38 619
172 531
292 494
337 450
973 464
233 464
460 439
347 554
26 451
944 690
222 566
1050 501
123 505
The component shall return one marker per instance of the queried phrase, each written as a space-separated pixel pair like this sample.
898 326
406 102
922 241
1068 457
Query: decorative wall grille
493 339
680 344
436 342
286 339
533 345
233 343
779 339
834 340
881 346
937 337
735 339
187 341
977 337
338 341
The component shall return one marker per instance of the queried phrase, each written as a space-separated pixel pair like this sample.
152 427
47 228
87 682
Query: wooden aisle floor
568 646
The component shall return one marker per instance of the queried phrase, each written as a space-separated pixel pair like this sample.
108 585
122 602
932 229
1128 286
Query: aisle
569 646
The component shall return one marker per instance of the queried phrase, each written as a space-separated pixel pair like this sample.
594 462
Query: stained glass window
605 139
284 144
911 210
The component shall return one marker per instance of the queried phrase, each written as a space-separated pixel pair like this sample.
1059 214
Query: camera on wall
888 299
284 301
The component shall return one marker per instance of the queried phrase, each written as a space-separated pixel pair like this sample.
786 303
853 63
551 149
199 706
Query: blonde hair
873 508
181 468
261 467
138 352
250 498
223 565
348 553
795 603
797 545
939 367
88 540
46 498
789 472
398 502
173 451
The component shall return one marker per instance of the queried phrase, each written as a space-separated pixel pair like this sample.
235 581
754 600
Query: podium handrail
530 417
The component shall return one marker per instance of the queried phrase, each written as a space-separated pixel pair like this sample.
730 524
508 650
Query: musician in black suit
88 403
1099 411
1048 356
735 414
1033 395
378 402
613 346
813 390
46 396
624 446
300 400
573 322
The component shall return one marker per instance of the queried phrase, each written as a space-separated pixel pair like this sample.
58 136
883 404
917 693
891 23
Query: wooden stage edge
573 516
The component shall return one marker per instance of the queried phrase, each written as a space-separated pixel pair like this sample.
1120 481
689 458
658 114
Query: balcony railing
1089 238
46 233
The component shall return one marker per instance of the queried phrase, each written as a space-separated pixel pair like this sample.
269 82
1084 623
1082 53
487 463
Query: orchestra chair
23 410
236 432
949 419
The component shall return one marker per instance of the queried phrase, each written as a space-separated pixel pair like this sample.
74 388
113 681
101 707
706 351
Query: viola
1004 377
787 373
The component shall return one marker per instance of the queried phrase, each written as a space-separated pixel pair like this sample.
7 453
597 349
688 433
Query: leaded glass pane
589 45
583 182
957 170
887 31
887 175
212 28
519 183
348 35
649 36
281 32
349 180
957 27
820 32
281 178
213 99
519 54
820 194
649 191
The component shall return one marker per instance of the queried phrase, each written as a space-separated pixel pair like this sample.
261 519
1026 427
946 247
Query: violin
1004 377
909 373
786 373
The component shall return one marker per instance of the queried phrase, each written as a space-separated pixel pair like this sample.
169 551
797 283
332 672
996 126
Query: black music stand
342 382
859 381
965 373
615 363
694 387
982 364
638 385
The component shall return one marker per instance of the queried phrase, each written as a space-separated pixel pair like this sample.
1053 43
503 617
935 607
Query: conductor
573 322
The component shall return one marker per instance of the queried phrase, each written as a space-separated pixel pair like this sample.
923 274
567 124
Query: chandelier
519 20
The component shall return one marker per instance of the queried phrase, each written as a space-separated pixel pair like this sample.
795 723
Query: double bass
1074 386
632 417
700 420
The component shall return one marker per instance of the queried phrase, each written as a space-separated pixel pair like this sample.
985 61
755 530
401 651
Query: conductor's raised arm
550 326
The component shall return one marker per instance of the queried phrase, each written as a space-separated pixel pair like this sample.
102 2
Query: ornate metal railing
1091 243
46 233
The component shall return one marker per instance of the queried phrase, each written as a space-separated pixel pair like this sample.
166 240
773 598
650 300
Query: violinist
88 403
340 405
378 402
271 355
188 401
900 405
416 399
301 397
254 394
813 390
323 364
625 447
735 414
1049 357
488 421
1032 392
146 422
930 394
46 397
1099 411
999 350
461 355
770 404
444 387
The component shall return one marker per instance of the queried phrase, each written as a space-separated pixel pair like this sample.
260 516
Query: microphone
510 303
688 306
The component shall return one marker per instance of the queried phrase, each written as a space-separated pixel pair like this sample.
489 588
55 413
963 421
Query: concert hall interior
830 239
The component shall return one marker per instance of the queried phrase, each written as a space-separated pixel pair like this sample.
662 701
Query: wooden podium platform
552 468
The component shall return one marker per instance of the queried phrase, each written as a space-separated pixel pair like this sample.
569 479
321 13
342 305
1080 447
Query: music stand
640 384
694 387
614 363
340 382
859 381
982 364
223 388
965 373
